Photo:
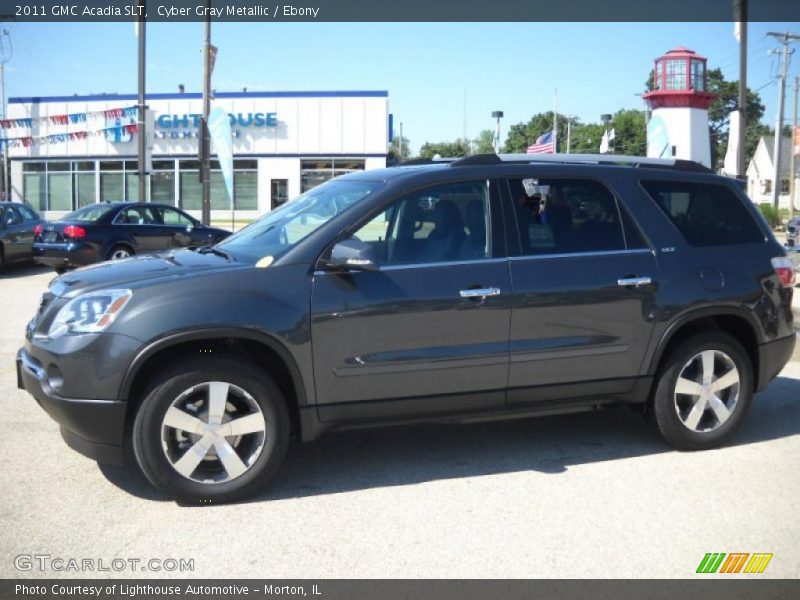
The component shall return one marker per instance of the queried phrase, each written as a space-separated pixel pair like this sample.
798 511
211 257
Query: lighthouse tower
678 127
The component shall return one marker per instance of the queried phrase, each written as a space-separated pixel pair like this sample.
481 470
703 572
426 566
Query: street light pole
793 153
6 183
142 107
497 114
741 17
205 154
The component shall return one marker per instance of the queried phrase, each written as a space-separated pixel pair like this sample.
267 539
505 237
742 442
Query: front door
431 324
584 291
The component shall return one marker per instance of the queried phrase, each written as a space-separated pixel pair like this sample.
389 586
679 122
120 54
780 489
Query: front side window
567 216
279 230
705 214
12 217
441 224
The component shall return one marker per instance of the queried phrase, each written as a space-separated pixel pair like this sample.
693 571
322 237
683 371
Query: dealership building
70 151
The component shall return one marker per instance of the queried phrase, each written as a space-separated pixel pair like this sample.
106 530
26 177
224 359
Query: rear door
142 224
584 290
431 325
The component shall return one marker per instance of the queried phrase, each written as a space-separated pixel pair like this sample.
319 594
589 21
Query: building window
245 186
58 185
34 185
112 181
698 75
676 74
766 186
162 182
279 193
83 179
313 172
784 186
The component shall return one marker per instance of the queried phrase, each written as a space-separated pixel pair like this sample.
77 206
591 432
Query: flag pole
555 121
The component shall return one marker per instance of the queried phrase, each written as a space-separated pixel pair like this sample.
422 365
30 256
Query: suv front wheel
211 430
703 392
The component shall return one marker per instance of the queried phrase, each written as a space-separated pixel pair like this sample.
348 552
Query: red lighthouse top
680 81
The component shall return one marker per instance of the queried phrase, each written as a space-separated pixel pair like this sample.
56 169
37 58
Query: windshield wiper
213 250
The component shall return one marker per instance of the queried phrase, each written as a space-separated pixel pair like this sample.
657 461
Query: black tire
665 404
119 248
169 385
60 270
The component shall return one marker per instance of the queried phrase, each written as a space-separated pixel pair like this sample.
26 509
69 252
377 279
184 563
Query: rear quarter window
705 214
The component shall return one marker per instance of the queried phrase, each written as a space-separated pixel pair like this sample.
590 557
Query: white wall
305 125
687 129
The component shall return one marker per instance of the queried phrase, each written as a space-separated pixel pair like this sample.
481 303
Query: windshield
87 214
279 230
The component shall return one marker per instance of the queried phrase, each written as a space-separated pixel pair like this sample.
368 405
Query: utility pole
793 152
142 107
4 58
204 141
776 182
740 11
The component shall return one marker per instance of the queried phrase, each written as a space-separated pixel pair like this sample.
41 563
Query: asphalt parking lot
590 495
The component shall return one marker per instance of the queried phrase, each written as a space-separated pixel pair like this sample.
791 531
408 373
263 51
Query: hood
133 272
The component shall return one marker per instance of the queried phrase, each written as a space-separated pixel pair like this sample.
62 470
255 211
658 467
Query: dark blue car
115 230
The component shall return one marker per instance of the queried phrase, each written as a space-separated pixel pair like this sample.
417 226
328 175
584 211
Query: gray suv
481 288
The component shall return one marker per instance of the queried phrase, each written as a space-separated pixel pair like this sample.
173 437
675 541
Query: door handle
479 292
634 281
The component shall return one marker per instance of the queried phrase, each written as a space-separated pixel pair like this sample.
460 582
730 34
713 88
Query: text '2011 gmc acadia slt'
479 288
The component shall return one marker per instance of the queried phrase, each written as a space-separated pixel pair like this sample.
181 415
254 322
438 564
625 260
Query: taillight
74 231
37 230
784 269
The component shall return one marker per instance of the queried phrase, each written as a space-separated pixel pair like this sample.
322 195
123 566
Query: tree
394 150
484 143
522 135
630 132
459 147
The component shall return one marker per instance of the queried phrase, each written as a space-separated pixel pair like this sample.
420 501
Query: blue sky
426 67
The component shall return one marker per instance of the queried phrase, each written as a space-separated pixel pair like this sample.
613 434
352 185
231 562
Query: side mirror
352 255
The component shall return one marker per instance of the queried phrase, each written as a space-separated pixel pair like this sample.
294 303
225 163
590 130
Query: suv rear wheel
703 392
211 430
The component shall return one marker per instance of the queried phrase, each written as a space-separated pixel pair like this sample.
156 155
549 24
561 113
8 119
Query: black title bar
397 10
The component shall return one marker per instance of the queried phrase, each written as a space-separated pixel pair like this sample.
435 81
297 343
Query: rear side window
706 214
568 216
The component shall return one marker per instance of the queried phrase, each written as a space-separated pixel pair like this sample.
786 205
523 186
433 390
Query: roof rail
597 159
427 161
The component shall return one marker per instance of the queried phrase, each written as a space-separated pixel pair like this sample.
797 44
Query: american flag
545 144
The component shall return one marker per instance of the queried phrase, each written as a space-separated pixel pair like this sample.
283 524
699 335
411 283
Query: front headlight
89 313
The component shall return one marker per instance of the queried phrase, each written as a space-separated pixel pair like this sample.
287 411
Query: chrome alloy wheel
120 253
707 390
213 432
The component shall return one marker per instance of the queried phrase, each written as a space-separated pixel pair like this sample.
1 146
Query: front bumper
772 357
95 428
65 254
